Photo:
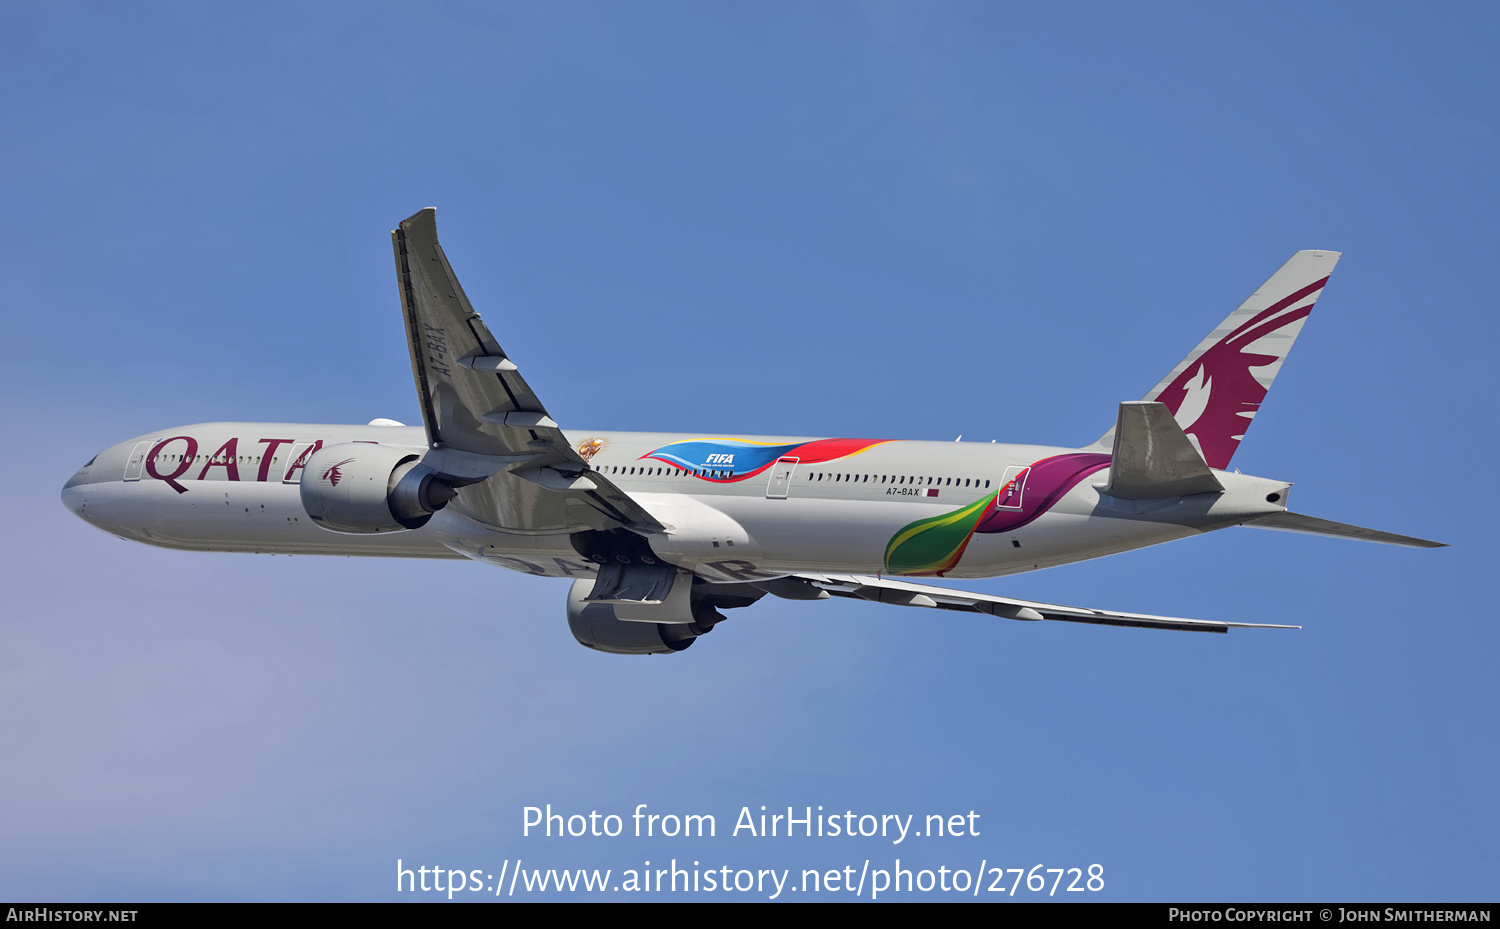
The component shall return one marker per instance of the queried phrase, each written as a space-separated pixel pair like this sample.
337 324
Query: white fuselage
235 487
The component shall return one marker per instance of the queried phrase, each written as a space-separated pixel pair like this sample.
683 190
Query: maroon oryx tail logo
333 475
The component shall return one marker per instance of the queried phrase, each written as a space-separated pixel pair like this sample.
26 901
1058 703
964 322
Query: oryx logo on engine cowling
333 475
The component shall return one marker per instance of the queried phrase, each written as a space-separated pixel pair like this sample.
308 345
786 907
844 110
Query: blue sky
881 219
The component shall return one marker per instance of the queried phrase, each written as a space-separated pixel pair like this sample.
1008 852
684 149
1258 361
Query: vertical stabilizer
1215 391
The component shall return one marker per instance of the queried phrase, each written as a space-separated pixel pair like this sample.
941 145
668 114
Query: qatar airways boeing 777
661 532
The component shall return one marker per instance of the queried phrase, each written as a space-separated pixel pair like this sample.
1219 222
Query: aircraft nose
73 492
73 497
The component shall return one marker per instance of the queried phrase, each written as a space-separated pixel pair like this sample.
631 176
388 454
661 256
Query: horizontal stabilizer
1152 458
1296 522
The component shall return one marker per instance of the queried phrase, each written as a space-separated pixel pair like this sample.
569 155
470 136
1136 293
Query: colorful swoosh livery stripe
933 546
1046 483
726 461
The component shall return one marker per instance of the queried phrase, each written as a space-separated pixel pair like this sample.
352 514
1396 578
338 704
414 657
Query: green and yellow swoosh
934 545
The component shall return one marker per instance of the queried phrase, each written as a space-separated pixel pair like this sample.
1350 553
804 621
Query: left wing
487 432
904 593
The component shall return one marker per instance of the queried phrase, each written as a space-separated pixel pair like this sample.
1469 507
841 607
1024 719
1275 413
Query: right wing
905 593
487 433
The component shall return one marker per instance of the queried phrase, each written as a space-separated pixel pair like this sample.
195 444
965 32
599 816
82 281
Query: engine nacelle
596 625
364 487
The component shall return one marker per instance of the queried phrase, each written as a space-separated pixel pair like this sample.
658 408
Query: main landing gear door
781 478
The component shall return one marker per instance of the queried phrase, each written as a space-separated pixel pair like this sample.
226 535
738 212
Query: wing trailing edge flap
480 414
1152 458
905 593
1311 525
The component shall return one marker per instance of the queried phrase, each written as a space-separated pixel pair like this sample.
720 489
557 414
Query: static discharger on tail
660 533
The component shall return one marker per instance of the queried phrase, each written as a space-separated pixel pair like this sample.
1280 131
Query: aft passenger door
1014 485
